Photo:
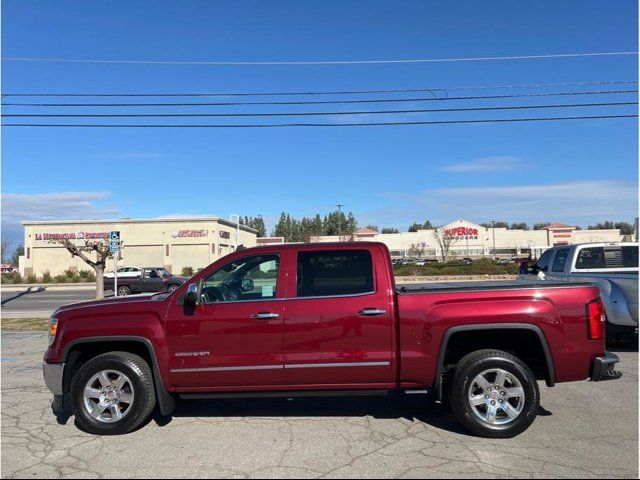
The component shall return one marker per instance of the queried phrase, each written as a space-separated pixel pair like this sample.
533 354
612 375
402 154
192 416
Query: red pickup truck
325 319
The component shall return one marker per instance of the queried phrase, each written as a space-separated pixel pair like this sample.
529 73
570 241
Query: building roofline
223 221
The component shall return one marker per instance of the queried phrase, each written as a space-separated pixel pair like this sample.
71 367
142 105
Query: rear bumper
53 377
602 368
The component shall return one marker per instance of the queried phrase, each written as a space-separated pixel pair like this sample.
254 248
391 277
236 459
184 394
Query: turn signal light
53 329
597 319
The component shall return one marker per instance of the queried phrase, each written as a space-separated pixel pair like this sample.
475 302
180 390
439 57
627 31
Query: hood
110 301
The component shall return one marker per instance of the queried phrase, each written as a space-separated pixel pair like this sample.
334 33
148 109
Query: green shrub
10 277
46 277
76 278
84 273
32 279
480 267
16 278
60 278
187 271
69 273
91 277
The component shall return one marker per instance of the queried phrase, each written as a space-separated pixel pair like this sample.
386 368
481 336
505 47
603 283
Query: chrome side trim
276 367
226 369
337 365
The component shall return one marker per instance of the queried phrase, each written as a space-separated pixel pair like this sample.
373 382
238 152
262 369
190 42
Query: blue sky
575 172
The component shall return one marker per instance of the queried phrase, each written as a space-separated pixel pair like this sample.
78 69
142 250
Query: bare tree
444 242
5 250
102 253
416 249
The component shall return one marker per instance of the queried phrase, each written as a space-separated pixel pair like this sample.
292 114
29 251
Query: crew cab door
338 327
151 281
233 337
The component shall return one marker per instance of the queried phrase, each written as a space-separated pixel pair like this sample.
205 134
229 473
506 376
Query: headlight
53 329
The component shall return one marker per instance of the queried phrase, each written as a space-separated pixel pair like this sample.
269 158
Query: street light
339 205
237 227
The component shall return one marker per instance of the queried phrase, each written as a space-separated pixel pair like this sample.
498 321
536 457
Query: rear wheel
113 393
494 394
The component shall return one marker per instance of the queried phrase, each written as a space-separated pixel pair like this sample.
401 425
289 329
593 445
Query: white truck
613 267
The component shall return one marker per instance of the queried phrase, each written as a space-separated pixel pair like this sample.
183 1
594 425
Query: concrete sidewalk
21 287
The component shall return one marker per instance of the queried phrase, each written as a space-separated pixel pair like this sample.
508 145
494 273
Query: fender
166 402
551 379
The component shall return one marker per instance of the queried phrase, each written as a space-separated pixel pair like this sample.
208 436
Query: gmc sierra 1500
325 319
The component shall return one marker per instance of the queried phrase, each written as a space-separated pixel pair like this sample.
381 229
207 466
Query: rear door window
591 257
560 260
334 273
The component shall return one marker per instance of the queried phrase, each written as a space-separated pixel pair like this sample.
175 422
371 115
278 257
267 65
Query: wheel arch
73 355
492 327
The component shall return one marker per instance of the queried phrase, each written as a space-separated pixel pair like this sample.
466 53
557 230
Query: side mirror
191 297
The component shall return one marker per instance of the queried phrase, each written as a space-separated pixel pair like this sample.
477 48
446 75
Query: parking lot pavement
584 430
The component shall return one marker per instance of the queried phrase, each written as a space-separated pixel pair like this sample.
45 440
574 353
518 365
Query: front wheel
123 291
494 394
113 394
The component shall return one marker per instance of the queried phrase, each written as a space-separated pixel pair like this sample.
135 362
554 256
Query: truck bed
427 287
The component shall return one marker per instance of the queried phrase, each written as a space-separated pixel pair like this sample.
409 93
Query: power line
277 125
319 102
323 62
338 92
302 114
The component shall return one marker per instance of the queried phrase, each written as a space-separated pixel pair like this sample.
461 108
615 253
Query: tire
123 291
475 378
134 382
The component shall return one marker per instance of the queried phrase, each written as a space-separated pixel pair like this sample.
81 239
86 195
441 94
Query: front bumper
53 377
602 368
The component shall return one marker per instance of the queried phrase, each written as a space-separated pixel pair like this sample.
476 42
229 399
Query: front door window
245 279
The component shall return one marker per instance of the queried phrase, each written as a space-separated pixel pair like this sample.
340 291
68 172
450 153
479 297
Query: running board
298 394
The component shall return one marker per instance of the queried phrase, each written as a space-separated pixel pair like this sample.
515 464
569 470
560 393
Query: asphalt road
585 430
35 302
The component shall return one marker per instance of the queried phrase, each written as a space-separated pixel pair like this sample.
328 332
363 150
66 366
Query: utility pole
237 227
339 205
493 230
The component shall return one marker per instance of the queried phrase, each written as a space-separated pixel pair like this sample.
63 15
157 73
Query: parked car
146 280
8 268
326 319
613 267
123 272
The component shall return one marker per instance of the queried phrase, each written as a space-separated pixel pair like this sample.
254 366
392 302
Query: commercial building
174 243
468 239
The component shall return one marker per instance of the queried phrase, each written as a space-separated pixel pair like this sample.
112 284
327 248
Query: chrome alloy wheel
122 291
496 397
108 396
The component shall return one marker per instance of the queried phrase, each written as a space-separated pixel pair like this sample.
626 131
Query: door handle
264 315
372 311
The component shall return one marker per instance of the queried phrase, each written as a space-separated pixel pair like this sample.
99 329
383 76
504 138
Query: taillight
597 319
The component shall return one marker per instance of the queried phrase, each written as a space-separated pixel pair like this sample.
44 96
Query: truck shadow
414 409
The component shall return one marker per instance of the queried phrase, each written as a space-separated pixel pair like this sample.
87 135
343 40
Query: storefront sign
72 236
189 233
461 233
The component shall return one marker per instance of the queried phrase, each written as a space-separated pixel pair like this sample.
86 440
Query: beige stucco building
468 239
170 242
